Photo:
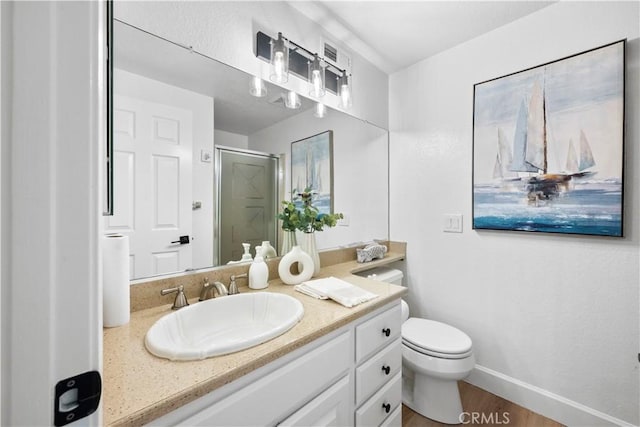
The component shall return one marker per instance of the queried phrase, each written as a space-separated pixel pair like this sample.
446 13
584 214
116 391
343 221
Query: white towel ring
296 254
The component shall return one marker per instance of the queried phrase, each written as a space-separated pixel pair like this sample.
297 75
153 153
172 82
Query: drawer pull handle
386 369
386 332
386 407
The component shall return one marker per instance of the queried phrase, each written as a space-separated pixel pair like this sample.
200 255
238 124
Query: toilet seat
435 339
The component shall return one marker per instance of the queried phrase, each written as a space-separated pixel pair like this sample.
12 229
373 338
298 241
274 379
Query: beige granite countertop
139 387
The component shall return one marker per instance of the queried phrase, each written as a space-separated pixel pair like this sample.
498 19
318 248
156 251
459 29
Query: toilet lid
435 337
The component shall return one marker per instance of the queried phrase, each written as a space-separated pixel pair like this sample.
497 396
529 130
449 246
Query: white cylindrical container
258 271
115 280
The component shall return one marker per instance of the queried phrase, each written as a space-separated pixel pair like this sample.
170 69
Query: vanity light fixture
279 60
344 90
292 100
258 88
316 77
320 110
285 56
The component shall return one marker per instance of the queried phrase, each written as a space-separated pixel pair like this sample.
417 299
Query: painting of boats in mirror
312 168
548 146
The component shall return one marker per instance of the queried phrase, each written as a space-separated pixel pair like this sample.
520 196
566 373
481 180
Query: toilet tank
383 274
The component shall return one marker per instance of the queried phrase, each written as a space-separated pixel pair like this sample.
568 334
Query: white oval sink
222 325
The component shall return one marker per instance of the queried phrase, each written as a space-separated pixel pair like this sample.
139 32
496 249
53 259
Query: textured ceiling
395 34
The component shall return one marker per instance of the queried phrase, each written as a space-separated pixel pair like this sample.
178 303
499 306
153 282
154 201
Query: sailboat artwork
312 168
528 173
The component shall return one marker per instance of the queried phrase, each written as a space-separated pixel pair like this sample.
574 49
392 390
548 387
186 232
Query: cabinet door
279 393
330 408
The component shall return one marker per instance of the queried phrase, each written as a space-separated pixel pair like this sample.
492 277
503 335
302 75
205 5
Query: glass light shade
320 110
257 89
292 100
316 77
344 90
279 60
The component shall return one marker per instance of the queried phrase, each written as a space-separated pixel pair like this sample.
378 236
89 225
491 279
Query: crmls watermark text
492 418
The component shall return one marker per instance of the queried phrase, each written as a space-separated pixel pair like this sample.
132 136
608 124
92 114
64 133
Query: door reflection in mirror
247 183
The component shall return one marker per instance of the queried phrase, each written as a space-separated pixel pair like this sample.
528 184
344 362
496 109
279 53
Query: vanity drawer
377 332
372 374
395 419
382 404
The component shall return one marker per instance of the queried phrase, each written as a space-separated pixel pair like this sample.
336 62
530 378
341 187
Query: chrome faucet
233 287
181 299
212 288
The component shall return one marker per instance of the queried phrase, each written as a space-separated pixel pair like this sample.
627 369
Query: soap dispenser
258 271
246 256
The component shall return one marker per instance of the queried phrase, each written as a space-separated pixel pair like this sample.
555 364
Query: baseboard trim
541 401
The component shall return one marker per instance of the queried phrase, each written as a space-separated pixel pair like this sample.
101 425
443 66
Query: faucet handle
205 288
181 299
233 287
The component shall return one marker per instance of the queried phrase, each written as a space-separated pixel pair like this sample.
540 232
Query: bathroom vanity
337 366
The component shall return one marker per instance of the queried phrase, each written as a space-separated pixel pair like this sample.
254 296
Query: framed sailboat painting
548 146
312 168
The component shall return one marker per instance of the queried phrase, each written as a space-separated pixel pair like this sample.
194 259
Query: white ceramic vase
305 266
268 251
288 241
309 246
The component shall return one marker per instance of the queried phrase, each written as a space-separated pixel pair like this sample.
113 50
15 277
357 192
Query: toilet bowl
434 357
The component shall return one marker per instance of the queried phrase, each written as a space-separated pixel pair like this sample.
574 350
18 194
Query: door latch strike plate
77 397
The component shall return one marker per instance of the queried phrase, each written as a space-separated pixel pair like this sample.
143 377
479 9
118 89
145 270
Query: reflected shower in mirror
173 110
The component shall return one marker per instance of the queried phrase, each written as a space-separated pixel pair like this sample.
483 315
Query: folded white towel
338 290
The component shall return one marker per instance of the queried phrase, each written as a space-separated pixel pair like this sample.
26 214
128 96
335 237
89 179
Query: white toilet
434 357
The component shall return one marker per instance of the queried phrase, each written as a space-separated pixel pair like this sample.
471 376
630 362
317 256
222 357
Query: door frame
52 204
279 179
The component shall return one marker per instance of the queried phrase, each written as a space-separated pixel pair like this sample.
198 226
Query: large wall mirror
191 142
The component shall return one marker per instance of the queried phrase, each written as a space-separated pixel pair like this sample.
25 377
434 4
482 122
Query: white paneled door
152 184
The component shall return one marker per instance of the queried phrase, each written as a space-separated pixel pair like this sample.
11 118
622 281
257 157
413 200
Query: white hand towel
338 290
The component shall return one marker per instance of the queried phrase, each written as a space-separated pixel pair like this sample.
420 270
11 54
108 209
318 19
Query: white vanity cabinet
348 377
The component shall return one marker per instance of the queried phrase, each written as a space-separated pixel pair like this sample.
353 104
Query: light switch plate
452 223
344 222
206 156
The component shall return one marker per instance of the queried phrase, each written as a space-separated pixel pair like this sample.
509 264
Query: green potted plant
290 221
308 219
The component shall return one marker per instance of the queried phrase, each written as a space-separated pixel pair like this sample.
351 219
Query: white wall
226 31
230 139
554 319
360 171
